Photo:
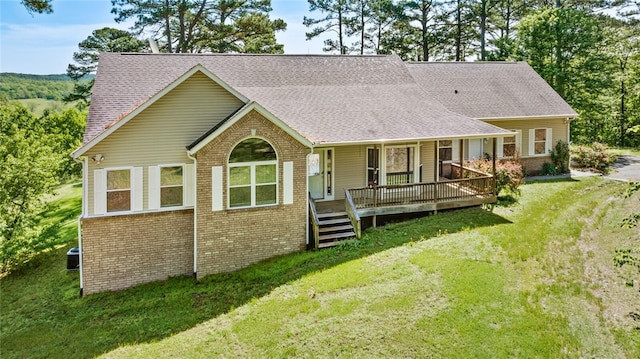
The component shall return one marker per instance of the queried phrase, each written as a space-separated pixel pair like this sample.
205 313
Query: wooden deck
402 198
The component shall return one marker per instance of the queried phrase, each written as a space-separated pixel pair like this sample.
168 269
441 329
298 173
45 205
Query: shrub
509 173
594 157
560 155
549 169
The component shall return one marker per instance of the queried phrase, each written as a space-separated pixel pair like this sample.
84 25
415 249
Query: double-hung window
509 147
539 141
445 150
118 190
171 186
253 174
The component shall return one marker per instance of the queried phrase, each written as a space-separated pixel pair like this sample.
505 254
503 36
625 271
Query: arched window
253 174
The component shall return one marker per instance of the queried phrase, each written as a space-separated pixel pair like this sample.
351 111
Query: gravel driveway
626 168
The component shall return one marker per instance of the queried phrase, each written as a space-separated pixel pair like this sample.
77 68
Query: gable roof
490 90
324 98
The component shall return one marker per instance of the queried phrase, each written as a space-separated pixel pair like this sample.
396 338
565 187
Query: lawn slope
534 280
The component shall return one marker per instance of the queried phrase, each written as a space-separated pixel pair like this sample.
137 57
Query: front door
320 172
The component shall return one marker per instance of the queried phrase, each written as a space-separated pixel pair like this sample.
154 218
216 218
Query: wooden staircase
334 227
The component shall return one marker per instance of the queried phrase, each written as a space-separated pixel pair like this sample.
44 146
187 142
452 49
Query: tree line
587 50
23 86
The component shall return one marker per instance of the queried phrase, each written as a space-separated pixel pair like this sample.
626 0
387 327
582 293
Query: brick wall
533 165
235 238
122 251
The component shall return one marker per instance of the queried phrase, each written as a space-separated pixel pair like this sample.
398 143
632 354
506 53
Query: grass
625 151
535 279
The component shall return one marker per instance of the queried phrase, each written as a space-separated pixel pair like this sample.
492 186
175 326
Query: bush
593 157
549 169
560 155
509 173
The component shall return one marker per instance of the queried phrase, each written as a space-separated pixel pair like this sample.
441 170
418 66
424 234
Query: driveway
626 168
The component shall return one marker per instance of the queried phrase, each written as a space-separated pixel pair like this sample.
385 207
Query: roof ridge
248 55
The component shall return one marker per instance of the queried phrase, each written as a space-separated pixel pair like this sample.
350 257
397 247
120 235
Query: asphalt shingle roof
325 98
486 90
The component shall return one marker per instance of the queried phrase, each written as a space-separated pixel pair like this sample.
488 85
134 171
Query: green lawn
533 280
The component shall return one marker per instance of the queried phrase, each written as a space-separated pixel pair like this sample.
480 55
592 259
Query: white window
539 141
253 174
117 190
171 186
448 150
508 147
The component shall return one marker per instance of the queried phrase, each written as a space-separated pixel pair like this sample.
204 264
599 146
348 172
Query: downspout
195 216
306 196
85 191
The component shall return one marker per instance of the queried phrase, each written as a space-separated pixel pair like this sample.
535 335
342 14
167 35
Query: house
196 164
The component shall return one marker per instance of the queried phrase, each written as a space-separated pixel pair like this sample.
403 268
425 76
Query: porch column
461 158
436 175
493 160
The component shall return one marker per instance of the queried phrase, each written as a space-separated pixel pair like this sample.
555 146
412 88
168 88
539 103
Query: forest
24 86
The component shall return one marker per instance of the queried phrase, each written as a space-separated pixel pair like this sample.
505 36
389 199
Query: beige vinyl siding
160 133
351 168
427 160
558 127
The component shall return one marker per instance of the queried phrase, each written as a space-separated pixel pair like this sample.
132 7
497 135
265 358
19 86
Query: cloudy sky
44 44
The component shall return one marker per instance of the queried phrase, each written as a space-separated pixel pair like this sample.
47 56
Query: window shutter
519 142
216 188
500 147
548 142
99 191
532 139
137 194
188 181
154 187
287 182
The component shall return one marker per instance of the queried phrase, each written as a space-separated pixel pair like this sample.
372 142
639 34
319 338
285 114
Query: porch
465 188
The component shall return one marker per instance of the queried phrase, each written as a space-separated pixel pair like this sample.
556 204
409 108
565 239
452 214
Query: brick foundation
122 251
533 165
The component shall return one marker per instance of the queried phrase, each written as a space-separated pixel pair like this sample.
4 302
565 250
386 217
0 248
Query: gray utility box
73 259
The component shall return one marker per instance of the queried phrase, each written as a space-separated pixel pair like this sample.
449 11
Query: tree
106 39
565 46
29 170
384 13
422 21
335 20
38 6
184 26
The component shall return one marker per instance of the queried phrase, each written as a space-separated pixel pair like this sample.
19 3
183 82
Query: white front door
320 172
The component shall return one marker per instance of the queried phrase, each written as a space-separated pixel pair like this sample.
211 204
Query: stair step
333 243
346 227
332 214
324 237
335 221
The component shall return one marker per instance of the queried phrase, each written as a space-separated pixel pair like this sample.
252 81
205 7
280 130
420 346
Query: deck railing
352 212
458 171
315 222
419 193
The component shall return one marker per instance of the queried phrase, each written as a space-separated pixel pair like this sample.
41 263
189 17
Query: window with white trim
445 150
539 141
253 174
118 188
171 186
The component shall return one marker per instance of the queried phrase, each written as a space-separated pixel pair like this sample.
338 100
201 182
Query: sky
44 43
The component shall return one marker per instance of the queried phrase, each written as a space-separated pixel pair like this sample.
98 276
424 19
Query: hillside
26 86
533 280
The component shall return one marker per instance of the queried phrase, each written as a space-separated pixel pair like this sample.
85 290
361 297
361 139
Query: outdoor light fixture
97 158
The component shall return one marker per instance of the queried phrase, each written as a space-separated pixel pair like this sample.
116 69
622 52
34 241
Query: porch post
436 175
461 158
493 158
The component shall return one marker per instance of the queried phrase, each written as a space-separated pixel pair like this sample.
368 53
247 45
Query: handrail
416 193
315 221
472 170
352 212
